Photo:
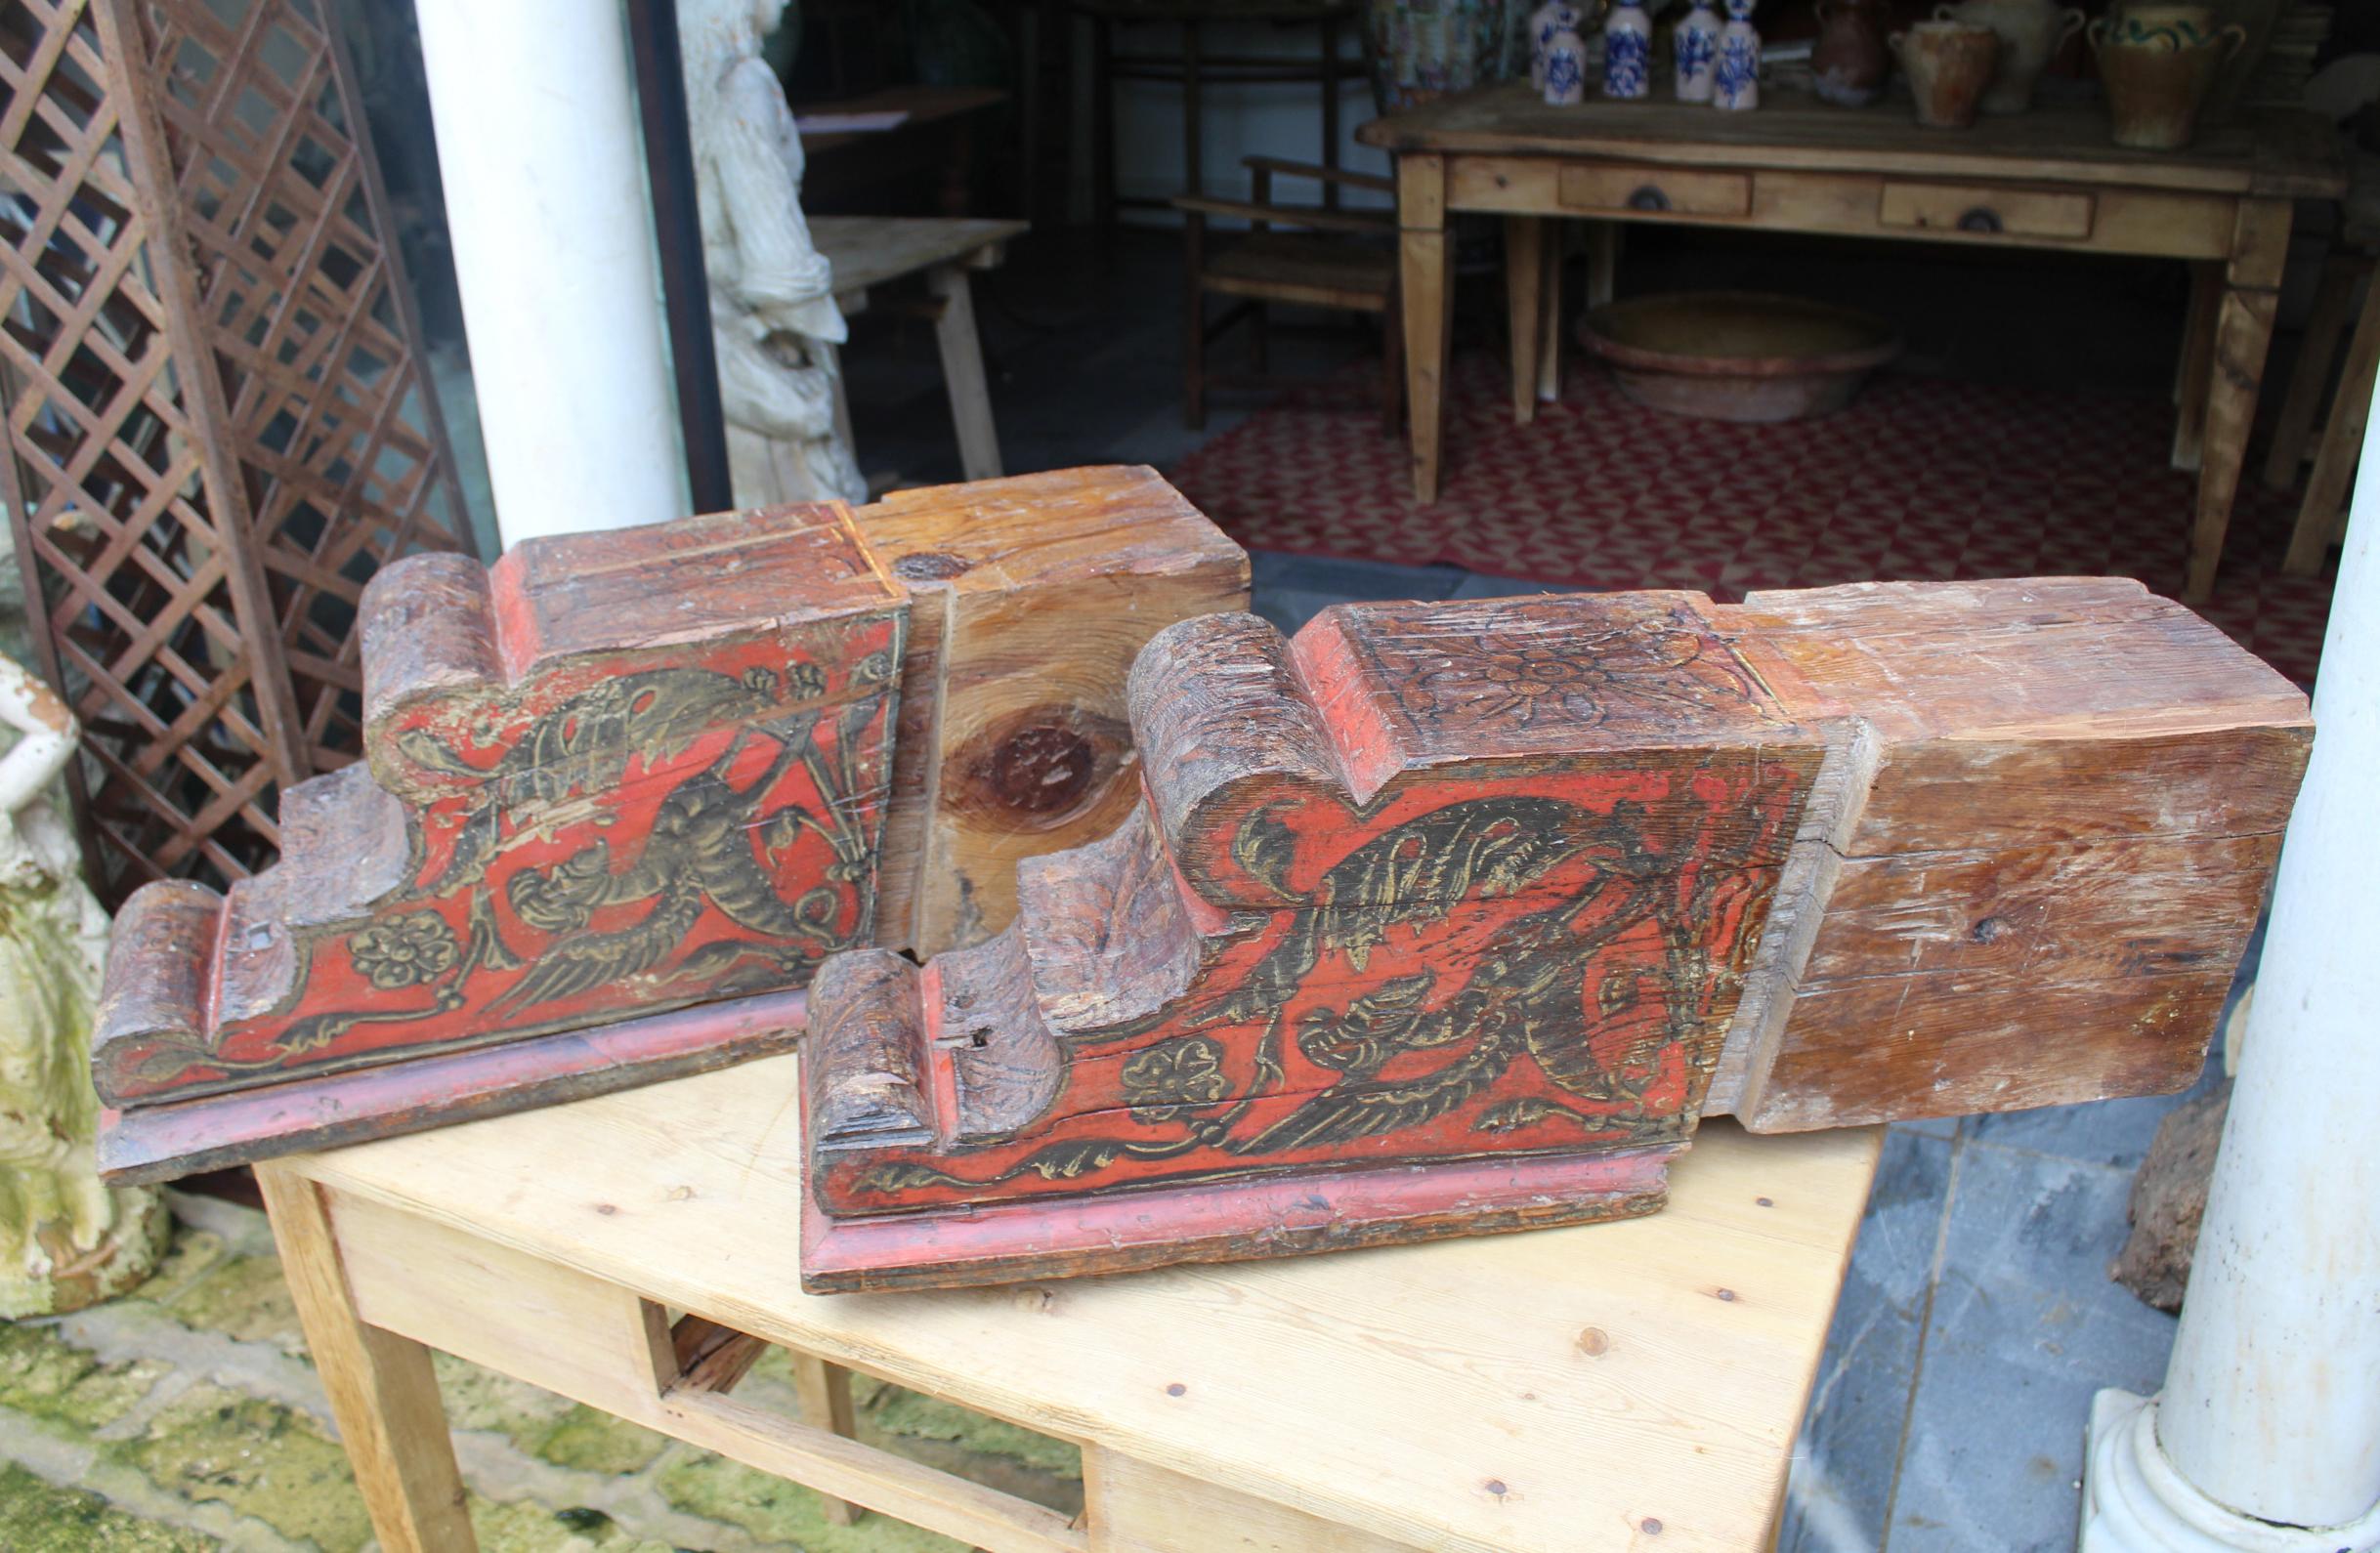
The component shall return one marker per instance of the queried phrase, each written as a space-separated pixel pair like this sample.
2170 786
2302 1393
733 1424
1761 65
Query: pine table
2048 180
1629 1385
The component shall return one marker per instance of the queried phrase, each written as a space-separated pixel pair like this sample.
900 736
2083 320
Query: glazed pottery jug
1850 61
1422 50
2032 32
1552 18
1628 52
1949 65
2167 23
2156 85
1735 80
1696 42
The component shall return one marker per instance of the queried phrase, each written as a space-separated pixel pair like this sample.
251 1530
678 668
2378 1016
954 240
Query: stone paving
187 1416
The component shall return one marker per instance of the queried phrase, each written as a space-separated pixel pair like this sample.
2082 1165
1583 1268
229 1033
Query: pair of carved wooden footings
623 791
1448 918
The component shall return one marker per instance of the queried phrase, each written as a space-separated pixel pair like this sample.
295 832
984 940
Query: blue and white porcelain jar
1565 69
1696 42
1735 79
1628 52
1552 18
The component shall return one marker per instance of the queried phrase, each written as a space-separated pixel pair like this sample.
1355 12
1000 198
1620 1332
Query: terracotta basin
1738 355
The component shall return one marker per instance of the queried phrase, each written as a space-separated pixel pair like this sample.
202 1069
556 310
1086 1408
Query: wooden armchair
1338 259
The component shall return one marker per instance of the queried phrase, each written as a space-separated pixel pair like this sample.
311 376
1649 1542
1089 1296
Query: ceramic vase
1627 53
1565 69
2031 32
1696 44
1422 50
2157 80
1850 61
1549 19
1736 77
1949 65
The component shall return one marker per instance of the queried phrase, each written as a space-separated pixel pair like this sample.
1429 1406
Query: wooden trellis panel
195 542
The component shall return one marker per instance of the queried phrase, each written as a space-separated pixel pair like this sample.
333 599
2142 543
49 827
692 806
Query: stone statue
772 299
65 1240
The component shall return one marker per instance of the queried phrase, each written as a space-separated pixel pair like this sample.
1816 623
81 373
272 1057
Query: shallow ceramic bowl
1738 355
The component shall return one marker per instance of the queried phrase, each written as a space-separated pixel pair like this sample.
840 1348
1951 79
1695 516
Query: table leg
2243 328
1524 278
1549 316
963 371
2334 461
824 1391
1425 280
2333 302
2235 366
2190 378
382 1391
1603 261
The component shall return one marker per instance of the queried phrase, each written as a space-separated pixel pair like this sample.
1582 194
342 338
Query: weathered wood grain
619 773
1030 597
1431 909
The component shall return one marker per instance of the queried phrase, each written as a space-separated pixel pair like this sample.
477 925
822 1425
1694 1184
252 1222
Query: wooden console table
2046 180
1637 1384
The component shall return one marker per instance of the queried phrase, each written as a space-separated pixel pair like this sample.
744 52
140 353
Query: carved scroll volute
1364 916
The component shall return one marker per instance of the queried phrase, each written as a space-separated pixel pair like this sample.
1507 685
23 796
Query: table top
924 105
870 250
1555 1389
2274 152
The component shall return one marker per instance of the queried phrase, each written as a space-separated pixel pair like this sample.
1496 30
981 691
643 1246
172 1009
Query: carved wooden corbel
624 791
1449 918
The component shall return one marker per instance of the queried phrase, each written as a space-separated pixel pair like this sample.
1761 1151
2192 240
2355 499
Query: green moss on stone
38 1517
194 1254
520 1526
482 1398
592 1440
245 1298
898 1410
257 1457
772 1509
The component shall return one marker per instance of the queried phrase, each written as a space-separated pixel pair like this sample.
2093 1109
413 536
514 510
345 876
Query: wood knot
1175 1389
1650 1526
1988 930
1044 764
1594 1343
931 566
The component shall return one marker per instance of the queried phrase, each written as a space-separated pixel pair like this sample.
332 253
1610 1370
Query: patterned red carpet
1920 478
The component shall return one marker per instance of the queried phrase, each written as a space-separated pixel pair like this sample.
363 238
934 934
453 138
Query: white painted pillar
2266 1434
538 149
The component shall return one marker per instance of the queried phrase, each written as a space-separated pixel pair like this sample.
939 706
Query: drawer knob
1981 219
1648 196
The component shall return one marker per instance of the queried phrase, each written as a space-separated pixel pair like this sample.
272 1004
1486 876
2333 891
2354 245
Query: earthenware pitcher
2032 32
2157 82
1850 61
1949 64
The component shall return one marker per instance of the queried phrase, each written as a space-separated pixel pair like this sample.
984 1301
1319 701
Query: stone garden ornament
773 314
65 1240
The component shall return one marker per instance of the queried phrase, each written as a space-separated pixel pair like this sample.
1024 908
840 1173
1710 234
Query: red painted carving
1444 918
593 789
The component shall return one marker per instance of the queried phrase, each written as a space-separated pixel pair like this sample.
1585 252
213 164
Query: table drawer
1986 210
1671 191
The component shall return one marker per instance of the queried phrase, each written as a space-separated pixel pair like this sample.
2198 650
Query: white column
538 149
2266 1434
